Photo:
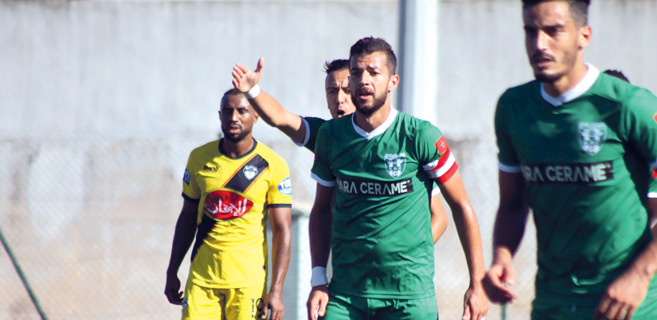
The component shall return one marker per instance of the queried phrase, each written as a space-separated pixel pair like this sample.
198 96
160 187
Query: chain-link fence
90 222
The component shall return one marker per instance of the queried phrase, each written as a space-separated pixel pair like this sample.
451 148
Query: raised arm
182 240
508 231
280 219
475 301
319 230
269 109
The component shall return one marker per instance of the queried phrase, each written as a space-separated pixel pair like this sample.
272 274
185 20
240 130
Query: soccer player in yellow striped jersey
230 187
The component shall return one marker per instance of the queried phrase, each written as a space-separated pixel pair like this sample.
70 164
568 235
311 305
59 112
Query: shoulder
314 121
520 92
627 95
205 149
336 125
415 126
268 154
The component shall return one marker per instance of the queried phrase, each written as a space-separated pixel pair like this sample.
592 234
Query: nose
342 96
234 116
541 40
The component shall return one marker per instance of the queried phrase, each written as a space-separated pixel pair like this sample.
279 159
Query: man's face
237 117
370 81
553 39
338 97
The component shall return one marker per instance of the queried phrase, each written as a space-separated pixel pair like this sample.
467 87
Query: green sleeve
313 125
321 170
640 123
507 155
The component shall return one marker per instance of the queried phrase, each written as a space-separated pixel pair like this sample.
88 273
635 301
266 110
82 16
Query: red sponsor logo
654 117
654 174
226 205
441 145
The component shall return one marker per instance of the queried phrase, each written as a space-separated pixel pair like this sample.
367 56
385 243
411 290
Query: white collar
579 89
378 130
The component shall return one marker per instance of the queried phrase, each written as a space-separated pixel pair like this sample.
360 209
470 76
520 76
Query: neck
374 120
236 149
567 82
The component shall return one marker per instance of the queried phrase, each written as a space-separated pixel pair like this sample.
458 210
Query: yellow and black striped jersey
233 194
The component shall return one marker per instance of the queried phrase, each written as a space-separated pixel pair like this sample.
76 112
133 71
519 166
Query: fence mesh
90 222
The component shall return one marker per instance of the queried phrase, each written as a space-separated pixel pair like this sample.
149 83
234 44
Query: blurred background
101 102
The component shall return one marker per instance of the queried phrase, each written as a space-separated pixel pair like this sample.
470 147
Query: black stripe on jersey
239 182
186 197
280 205
204 229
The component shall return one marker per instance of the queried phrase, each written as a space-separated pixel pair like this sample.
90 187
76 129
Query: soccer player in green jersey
576 146
303 130
380 164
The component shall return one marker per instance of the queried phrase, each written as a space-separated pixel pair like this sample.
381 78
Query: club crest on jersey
395 164
250 171
592 136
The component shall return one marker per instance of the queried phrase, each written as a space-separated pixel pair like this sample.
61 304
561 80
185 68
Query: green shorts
576 308
345 307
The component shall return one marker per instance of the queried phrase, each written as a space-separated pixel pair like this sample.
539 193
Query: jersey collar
378 130
579 89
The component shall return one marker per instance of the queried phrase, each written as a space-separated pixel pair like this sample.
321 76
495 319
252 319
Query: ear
393 83
584 38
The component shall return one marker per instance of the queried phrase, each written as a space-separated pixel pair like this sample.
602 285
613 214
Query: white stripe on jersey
653 165
508 169
451 161
322 181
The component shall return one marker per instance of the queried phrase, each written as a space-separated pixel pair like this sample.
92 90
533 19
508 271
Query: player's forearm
182 240
319 232
470 236
508 232
281 240
273 113
646 263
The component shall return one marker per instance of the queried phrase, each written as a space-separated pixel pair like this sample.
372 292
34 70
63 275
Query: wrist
318 277
254 92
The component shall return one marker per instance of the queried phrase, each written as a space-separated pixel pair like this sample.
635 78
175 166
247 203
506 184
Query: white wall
101 102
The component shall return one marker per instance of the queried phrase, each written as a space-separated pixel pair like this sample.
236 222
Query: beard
232 137
368 111
567 63
547 78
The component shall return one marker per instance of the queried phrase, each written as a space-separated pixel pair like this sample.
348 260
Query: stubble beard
376 105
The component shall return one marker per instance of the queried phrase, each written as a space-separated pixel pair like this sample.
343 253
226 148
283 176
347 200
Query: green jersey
381 236
586 158
312 125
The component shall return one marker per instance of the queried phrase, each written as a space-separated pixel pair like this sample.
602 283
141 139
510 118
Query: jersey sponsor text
375 188
568 173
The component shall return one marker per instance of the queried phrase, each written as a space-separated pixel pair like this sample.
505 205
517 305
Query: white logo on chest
395 164
592 136
250 171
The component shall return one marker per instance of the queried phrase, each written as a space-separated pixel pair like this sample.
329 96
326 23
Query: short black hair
229 92
617 73
335 65
370 45
579 9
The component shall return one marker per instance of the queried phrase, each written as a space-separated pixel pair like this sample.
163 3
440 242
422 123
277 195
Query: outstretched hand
244 79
